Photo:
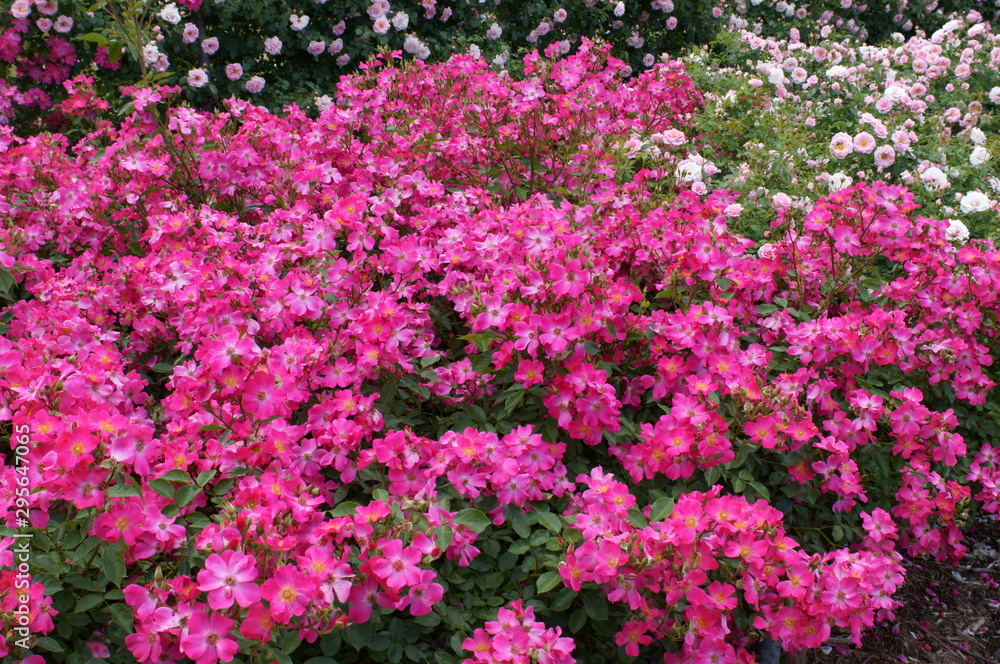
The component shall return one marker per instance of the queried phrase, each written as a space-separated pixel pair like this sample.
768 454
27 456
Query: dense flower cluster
277 372
680 575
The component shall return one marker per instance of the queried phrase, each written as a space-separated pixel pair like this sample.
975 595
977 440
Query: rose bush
283 52
469 369
827 112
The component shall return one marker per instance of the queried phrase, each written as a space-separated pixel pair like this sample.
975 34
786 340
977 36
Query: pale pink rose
272 46
210 45
841 145
674 137
234 71
63 24
255 85
197 78
864 143
20 9
190 33
316 47
885 156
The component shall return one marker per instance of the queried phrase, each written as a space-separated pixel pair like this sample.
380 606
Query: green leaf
330 643
661 508
177 475
490 580
596 607
551 521
521 525
88 602
280 657
80 581
637 518
186 494
290 643
712 475
163 368
211 427
122 491
115 50
548 581
562 600
577 620
473 519
95 37
206 476
513 401
113 565
344 509
443 657
162 487
49 644
6 281
122 615
443 536
482 361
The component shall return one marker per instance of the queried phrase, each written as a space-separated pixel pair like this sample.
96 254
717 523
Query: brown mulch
951 613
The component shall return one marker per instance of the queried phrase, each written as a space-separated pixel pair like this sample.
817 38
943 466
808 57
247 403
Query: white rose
150 53
170 14
689 170
956 231
934 177
839 181
975 201
977 136
979 156
400 20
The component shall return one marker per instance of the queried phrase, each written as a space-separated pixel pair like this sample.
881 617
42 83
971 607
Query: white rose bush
916 112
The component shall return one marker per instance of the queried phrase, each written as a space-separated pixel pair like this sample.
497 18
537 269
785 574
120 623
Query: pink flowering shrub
393 385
